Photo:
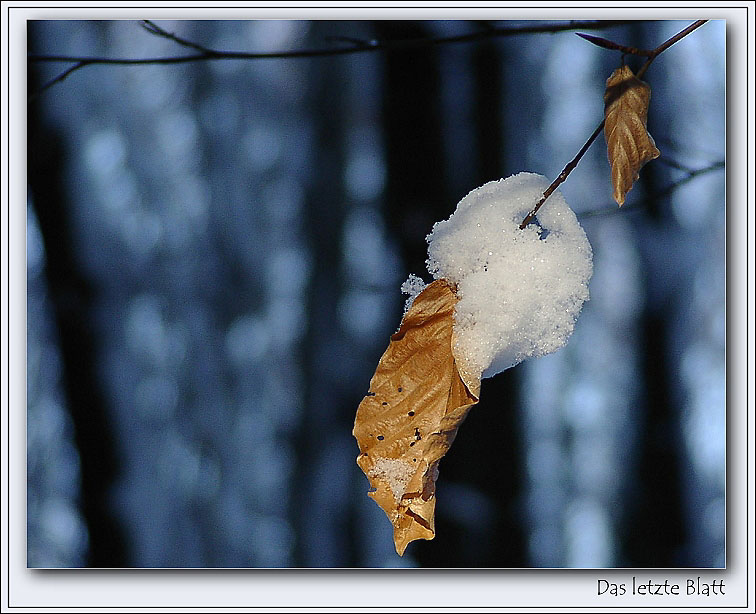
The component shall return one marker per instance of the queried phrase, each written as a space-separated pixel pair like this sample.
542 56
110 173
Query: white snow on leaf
520 291
396 472
413 286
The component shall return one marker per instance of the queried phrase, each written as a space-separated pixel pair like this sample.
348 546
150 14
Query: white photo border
372 590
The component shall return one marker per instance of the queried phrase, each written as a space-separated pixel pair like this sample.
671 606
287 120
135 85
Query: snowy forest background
215 251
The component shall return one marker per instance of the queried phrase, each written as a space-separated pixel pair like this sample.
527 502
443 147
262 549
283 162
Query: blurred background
214 255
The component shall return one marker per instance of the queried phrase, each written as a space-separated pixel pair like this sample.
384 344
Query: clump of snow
395 471
413 286
520 291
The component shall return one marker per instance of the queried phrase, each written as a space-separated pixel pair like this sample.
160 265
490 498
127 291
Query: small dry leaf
410 416
629 143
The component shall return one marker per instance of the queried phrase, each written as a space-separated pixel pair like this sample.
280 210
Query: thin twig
668 43
562 176
385 45
607 44
691 174
357 42
571 166
205 53
55 80
155 29
688 176
675 164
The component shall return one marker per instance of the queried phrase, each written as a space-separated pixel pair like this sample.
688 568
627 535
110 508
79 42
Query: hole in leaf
380 437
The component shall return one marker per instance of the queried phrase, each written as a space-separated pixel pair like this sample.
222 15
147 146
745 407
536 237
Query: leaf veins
628 142
410 416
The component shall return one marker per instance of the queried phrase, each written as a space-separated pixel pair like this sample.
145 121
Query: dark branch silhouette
155 29
356 46
607 44
690 174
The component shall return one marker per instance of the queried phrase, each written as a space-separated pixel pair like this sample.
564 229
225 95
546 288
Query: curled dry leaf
410 416
629 144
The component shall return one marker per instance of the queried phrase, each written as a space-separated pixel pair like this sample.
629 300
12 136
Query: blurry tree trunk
418 194
71 295
320 501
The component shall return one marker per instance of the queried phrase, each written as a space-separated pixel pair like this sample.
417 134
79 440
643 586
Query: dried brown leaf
410 416
629 144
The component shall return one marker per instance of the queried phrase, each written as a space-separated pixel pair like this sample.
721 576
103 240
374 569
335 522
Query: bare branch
385 45
690 175
358 46
668 43
357 42
571 166
55 80
562 176
675 164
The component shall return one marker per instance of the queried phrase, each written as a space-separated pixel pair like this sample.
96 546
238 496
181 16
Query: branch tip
609 45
